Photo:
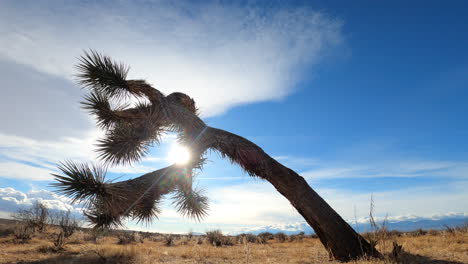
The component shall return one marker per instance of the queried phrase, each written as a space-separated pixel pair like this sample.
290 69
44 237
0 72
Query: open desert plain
448 246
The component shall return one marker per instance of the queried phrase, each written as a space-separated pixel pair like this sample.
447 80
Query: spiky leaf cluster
128 142
129 132
191 203
99 105
101 73
80 181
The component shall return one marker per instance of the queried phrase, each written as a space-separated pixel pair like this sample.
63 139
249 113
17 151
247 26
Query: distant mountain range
406 223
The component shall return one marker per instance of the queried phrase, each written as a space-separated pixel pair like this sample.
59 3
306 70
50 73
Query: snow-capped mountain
401 223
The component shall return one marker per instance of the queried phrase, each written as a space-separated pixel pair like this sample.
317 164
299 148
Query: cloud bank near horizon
12 200
255 208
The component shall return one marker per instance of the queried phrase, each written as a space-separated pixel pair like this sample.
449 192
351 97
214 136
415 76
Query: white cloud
392 168
39 106
296 162
12 200
407 200
255 203
30 159
240 54
251 203
19 171
24 158
42 151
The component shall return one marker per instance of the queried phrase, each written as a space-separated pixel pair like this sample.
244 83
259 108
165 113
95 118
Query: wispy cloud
242 54
30 159
392 168
20 171
297 162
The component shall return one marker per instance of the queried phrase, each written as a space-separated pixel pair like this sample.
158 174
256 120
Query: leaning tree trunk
338 237
335 234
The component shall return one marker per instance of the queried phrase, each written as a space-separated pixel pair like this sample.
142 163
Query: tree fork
338 237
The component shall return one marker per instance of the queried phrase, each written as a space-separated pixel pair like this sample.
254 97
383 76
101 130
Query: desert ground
85 246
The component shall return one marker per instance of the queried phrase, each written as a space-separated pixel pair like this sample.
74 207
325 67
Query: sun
179 155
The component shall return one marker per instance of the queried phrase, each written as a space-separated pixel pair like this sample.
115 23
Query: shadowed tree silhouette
132 129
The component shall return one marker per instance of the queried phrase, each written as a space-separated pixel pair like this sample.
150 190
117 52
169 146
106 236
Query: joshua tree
131 130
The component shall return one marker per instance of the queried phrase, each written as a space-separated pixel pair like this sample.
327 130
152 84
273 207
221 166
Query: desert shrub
462 228
184 241
300 236
379 233
200 241
262 239
418 232
247 238
266 236
121 256
216 238
68 224
228 241
126 238
145 235
281 237
23 232
169 240
394 233
59 241
397 251
189 235
35 217
452 230
297 237
250 238
96 234
156 238
79 237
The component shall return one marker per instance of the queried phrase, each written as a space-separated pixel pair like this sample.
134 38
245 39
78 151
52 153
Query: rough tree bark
335 234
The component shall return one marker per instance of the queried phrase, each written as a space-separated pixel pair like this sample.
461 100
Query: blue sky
361 98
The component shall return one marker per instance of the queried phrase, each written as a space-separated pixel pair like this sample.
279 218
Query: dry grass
432 247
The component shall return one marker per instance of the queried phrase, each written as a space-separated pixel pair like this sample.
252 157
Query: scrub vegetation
448 246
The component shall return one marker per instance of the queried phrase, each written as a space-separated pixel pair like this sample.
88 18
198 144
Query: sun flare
179 155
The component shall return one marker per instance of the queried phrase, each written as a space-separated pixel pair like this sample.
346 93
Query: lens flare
179 155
